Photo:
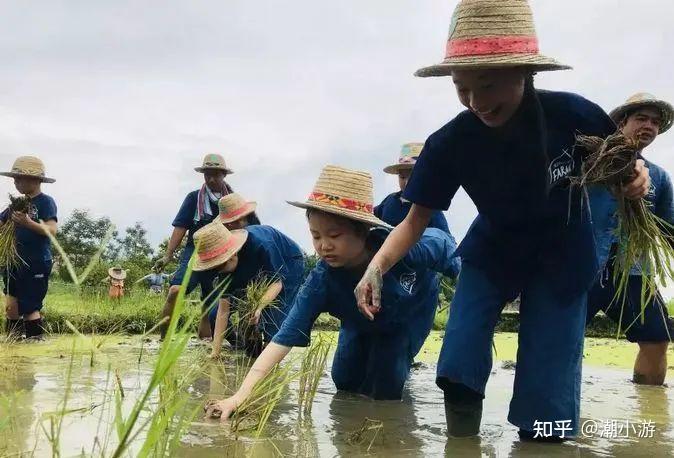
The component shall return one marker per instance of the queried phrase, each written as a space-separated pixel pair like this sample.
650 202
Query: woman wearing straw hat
645 117
236 213
116 277
393 209
246 255
512 151
198 209
26 285
372 358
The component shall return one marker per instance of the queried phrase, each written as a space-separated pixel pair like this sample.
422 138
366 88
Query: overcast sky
122 99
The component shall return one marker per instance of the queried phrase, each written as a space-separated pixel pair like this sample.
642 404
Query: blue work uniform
30 280
656 326
393 210
267 253
532 237
373 358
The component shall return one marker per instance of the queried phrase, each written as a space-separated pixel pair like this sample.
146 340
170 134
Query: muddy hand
641 184
222 409
368 292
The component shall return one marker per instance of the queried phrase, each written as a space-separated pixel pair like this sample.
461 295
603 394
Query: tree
81 235
134 246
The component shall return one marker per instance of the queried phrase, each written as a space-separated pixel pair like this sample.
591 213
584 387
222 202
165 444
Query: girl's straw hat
343 192
233 207
28 166
492 34
216 244
641 100
408 157
117 273
213 162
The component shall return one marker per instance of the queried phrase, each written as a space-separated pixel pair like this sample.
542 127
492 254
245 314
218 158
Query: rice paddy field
106 389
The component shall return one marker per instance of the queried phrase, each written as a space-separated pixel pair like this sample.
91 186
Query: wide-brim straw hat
216 244
408 157
641 100
28 166
117 273
233 207
492 34
343 192
213 162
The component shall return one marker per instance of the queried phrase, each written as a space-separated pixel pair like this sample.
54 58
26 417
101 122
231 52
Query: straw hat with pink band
408 157
492 34
234 207
216 245
343 192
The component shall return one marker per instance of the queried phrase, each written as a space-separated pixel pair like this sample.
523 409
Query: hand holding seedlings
368 292
222 409
640 185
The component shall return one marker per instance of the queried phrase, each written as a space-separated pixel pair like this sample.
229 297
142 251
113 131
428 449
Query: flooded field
621 419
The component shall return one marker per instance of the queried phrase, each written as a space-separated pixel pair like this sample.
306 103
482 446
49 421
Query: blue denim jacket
604 207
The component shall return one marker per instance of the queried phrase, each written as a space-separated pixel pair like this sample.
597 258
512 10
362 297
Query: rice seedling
644 239
9 256
369 429
313 366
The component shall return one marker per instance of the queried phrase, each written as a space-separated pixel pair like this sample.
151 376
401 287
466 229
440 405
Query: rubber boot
463 418
14 328
34 329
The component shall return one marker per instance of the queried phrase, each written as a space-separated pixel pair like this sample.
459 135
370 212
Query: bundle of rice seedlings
643 238
9 256
260 294
370 428
313 366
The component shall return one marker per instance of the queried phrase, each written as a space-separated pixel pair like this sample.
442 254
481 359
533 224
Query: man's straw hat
408 157
216 244
343 192
641 100
28 166
233 207
214 162
492 34
117 273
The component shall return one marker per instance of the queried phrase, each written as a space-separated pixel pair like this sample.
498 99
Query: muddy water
34 378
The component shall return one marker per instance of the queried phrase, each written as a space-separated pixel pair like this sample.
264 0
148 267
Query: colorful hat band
483 46
340 202
206 255
407 160
234 213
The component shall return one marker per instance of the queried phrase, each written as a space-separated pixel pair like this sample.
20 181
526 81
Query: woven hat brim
17 175
250 208
395 168
203 169
346 213
240 235
666 108
116 275
536 62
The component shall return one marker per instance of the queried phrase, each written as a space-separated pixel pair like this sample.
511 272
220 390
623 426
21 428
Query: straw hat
643 99
213 162
343 192
117 273
408 157
492 34
28 166
216 244
233 207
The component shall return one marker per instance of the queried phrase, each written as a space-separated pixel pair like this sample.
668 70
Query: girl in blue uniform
372 358
512 151
393 209
260 251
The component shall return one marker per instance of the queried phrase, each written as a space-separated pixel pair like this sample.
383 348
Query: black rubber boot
463 410
14 328
34 329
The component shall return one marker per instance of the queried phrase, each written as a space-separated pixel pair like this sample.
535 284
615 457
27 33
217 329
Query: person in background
155 281
115 278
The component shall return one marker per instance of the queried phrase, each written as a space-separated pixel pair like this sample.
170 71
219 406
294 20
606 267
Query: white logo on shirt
407 281
561 167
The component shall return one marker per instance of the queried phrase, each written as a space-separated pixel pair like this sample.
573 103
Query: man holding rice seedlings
373 358
257 255
27 281
198 209
643 117
512 151
394 208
